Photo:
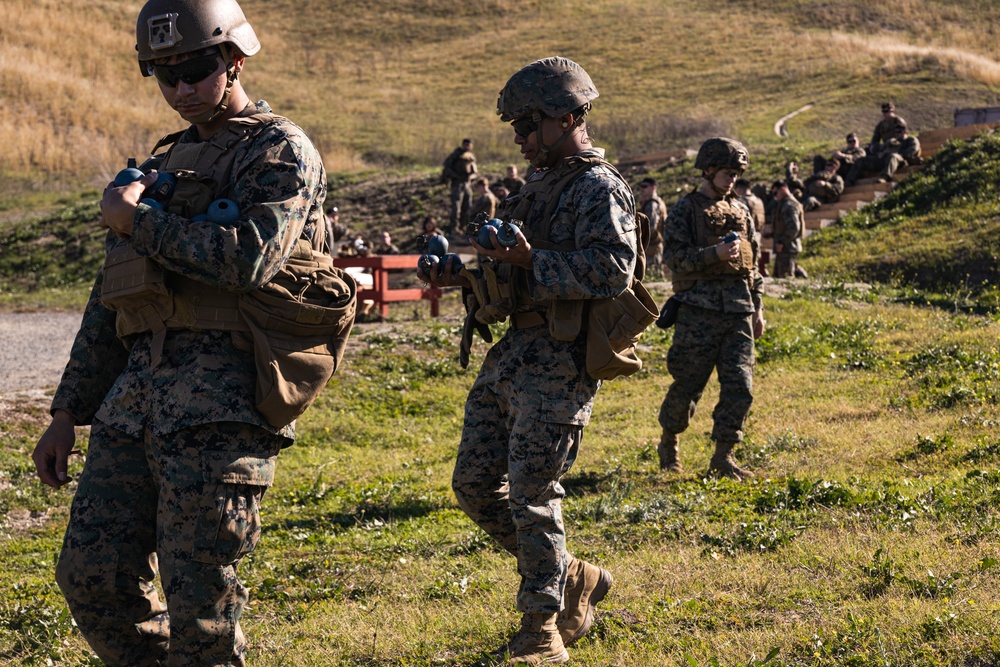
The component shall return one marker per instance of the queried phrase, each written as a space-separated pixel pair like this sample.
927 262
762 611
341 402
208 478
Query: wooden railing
381 293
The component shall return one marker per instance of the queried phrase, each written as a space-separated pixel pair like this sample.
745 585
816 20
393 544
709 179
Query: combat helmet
552 87
722 153
168 28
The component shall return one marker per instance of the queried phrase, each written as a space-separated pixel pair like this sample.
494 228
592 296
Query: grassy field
869 537
396 83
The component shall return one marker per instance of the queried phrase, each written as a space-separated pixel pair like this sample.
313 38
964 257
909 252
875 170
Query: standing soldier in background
526 411
720 314
755 205
485 201
179 457
652 205
789 222
459 169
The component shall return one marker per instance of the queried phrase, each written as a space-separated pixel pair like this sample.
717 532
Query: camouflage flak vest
714 218
148 298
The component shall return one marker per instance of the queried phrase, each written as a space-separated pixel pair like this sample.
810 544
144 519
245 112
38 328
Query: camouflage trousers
524 421
707 340
784 264
185 505
461 200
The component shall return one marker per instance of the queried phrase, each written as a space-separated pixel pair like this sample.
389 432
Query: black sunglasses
190 71
524 126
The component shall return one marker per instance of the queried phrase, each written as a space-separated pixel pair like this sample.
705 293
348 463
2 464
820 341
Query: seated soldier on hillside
848 155
823 187
885 128
795 184
899 149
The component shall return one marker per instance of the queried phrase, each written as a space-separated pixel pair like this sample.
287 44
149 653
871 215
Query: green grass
867 538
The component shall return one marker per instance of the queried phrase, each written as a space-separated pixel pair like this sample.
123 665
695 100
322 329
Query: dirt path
34 348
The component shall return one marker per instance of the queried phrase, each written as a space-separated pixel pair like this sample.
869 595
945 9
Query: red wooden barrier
380 292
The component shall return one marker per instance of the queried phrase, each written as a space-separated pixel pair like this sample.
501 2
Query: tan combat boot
667 451
537 642
586 585
724 465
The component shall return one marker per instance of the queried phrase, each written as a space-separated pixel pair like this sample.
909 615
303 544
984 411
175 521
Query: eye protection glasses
524 126
190 71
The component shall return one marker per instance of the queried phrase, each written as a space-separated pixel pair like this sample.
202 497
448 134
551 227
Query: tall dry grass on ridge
399 83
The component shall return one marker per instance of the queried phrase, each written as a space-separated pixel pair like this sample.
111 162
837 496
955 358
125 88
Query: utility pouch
299 323
613 329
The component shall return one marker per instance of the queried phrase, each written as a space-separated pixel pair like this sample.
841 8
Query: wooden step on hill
867 190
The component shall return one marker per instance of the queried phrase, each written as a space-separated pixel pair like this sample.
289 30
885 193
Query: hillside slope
395 83
936 232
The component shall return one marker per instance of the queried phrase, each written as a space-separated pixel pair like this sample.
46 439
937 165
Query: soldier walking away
719 288
789 223
458 172
655 209
179 456
526 411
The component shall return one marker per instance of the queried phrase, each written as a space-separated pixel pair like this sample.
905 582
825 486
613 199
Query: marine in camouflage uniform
656 210
458 171
848 155
179 458
789 223
526 411
720 314
885 129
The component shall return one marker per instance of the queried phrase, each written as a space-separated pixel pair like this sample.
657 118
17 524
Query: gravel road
34 348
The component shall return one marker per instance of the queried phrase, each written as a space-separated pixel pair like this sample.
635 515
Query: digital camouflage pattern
714 329
185 428
193 498
597 213
526 411
707 340
279 184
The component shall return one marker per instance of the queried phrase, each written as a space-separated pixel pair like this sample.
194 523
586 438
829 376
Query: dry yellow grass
397 83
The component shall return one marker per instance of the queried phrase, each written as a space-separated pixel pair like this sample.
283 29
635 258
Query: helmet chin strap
541 160
220 108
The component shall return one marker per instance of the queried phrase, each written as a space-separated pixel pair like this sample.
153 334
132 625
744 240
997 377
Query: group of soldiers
180 455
